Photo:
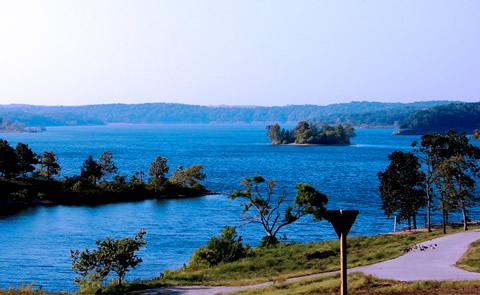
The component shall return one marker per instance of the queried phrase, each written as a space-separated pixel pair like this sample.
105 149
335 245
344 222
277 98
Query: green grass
26 290
291 260
471 259
362 284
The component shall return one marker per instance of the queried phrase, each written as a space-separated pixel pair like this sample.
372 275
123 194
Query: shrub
227 247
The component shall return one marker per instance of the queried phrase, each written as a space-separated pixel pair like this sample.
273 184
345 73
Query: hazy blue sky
238 52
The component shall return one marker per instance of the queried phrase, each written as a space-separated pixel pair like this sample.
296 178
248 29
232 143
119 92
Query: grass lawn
362 284
26 290
471 259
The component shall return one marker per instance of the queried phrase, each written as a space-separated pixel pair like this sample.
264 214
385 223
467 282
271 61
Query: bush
227 247
269 241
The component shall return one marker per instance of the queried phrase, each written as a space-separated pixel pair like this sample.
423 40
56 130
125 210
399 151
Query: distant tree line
439 174
462 117
27 177
355 113
311 133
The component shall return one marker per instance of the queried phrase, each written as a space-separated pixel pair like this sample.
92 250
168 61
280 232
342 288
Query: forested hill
463 117
356 113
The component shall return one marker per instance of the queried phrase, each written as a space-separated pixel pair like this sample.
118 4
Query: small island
30 179
309 133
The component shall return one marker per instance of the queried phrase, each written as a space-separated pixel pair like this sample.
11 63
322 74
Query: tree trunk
465 218
414 221
120 278
425 218
444 221
429 225
409 223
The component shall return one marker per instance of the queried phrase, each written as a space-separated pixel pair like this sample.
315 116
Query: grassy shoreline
290 260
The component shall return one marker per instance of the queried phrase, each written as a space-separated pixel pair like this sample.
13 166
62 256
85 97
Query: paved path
435 262
430 260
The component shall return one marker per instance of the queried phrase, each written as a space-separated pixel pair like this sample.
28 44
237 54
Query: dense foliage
401 187
356 113
445 167
224 248
311 133
117 256
27 178
462 117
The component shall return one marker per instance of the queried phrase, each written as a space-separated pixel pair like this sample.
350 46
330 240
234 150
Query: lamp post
342 221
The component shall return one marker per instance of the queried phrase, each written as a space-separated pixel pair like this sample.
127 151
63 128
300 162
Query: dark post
342 221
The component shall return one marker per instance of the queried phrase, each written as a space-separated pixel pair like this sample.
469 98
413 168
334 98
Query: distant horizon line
236 105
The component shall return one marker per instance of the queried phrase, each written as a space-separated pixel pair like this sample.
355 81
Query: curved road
430 260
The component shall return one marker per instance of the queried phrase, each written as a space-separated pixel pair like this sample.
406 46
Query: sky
238 52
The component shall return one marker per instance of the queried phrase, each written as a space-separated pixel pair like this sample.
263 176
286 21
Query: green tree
457 184
430 152
117 256
274 133
189 177
433 150
91 170
48 165
26 159
262 206
107 166
303 133
8 160
401 187
137 178
158 171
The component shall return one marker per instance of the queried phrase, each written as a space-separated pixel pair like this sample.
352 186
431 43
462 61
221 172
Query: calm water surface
35 244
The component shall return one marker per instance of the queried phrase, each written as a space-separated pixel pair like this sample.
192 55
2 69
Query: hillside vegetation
356 113
463 117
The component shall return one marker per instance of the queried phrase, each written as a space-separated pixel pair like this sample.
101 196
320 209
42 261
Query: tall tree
158 169
26 159
158 172
457 184
274 134
401 187
434 149
430 153
303 133
91 170
107 166
262 206
8 160
48 165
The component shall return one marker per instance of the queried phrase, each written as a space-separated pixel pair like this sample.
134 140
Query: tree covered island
311 133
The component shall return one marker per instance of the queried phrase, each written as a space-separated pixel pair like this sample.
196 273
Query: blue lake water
35 244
